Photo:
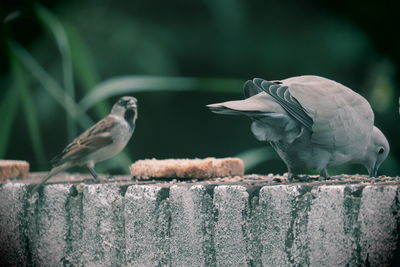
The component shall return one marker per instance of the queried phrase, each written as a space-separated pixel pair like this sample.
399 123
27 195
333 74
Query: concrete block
48 225
13 249
328 242
200 224
230 246
379 225
146 216
278 223
103 237
192 224
73 238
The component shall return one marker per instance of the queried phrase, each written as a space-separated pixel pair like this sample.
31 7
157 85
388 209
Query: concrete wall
199 225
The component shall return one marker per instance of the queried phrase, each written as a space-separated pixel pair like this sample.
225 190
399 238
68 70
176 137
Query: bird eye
381 150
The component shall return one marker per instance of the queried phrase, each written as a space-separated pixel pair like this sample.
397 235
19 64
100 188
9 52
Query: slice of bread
187 168
13 169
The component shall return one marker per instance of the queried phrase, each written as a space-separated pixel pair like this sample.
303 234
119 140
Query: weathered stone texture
199 225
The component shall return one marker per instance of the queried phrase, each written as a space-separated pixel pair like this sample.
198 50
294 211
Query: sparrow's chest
121 133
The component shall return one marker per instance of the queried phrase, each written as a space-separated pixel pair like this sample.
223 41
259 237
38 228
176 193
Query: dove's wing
282 95
93 139
341 118
250 89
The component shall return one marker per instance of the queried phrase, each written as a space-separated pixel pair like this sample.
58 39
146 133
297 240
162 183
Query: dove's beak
374 171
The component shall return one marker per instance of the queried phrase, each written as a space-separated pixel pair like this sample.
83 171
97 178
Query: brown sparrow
100 142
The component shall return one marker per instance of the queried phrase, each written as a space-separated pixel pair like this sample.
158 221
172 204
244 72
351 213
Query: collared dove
312 122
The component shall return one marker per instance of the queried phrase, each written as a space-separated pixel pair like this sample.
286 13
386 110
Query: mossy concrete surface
200 224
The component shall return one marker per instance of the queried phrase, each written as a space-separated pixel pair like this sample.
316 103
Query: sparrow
312 123
102 141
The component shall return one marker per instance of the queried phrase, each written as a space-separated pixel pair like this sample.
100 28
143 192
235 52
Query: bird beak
374 171
131 105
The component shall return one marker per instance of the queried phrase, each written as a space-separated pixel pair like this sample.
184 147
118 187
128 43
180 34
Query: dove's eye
381 150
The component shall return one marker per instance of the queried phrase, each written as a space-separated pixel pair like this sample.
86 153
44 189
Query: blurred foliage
78 58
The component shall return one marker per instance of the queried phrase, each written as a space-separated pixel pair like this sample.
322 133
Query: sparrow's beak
131 105
374 171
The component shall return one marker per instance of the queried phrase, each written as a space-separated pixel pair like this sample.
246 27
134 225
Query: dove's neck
367 157
362 155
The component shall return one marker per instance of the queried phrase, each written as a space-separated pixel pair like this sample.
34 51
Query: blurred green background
64 63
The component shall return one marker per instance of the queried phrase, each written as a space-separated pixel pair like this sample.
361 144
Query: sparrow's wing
93 139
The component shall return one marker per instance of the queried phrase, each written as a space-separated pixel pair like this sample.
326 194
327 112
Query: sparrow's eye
381 150
121 102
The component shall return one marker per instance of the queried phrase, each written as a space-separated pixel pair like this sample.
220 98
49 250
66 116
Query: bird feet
306 178
324 175
301 178
94 174
90 180
322 178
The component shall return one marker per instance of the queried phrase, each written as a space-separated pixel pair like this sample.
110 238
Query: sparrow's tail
52 172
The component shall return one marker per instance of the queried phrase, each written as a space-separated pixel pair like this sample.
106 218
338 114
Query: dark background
353 42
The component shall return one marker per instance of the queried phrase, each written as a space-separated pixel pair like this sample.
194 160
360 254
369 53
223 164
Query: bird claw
92 180
33 197
303 178
323 178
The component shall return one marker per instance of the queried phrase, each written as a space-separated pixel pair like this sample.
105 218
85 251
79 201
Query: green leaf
81 59
132 84
21 86
55 27
85 69
8 111
49 84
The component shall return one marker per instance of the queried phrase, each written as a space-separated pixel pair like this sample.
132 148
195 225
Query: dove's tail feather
233 108
52 172
224 110
270 121
254 106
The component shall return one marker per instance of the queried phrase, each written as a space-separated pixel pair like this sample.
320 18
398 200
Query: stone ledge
204 223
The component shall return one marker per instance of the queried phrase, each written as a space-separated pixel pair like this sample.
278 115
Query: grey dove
312 123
